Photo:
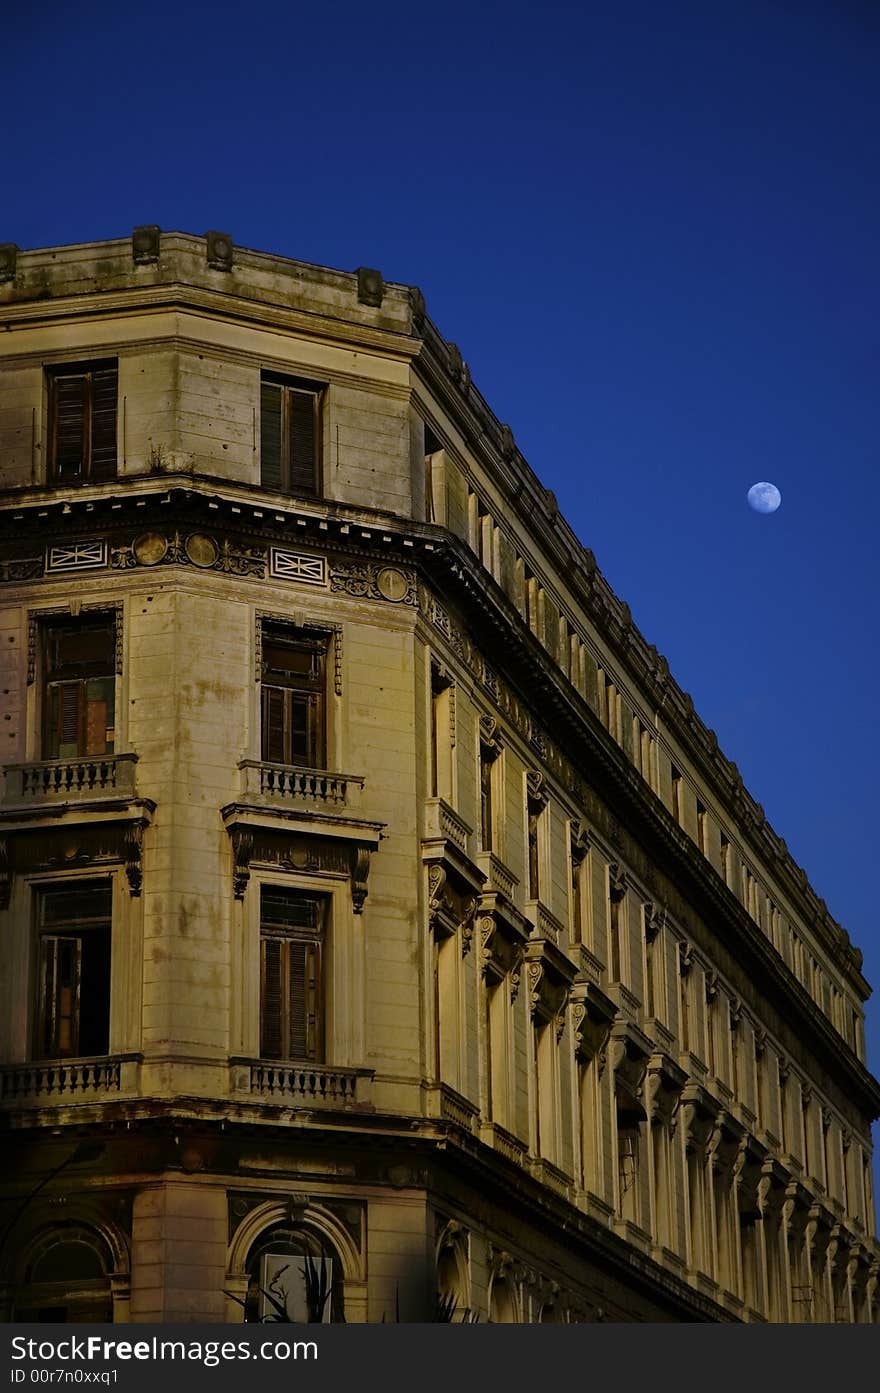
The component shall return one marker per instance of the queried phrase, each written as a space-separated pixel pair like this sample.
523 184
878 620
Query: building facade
369 891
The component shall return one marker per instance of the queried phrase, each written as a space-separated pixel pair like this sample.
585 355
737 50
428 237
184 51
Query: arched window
66 1279
293 1276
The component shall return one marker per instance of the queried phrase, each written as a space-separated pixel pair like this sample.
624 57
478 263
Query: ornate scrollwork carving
617 882
133 847
537 791
242 850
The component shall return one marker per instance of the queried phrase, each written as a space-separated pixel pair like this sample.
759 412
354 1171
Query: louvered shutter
274 750
70 421
103 443
270 434
303 459
304 993
63 732
271 999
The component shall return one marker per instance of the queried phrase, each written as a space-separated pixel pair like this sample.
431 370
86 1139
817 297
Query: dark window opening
80 686
293 698
291 975
73 1010
82 422
290 436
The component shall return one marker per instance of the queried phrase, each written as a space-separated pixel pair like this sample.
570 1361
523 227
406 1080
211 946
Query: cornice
222 305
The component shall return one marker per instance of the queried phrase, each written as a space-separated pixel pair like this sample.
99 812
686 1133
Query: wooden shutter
303 457
69 398
270 435
271 999
275 748
104 384
303 959
63 723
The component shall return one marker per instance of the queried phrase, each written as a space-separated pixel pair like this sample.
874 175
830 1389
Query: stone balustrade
45 1083
443 823
290 783
67 780
305 1085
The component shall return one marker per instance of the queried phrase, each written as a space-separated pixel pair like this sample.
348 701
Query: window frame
289 936
299 638
292 389
71 928
86 473
72 675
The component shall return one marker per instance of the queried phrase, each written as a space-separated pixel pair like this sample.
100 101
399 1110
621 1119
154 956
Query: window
291 967
293 697
490 751
73 1009
442 716
290 435
702 841
676 794
534 850
78 700
82 422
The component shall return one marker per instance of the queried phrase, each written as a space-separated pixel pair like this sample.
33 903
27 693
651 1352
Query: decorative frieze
21 568
197 549
371 580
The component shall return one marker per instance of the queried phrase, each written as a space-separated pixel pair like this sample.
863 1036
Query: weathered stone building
368 888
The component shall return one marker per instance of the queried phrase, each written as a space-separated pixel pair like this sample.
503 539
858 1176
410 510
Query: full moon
764 498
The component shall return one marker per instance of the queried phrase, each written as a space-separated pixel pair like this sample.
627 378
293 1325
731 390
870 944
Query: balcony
289 785
62 1082
54 781
300 1085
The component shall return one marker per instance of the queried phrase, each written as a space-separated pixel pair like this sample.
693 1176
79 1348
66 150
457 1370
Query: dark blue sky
653 231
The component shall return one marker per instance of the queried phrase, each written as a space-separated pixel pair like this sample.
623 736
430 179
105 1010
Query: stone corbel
449 912
655 918
686 958
629 1051
242 851
133 847
700 1112
360 869
580 841
550 974
617 882
664 1083
592 1015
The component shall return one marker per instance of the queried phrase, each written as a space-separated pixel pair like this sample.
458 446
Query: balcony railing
64 780
442 823
290 783
304 1085
498 877
48 1083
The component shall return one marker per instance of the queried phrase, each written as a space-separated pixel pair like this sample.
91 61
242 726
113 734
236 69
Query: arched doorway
65 1278
502 1303
294 1275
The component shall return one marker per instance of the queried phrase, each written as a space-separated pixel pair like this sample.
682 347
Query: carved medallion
150 549
201 550
392 584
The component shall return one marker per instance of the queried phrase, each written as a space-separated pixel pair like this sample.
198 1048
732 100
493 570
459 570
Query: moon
764 498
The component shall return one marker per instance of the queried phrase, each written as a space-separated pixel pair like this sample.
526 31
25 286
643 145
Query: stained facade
369 890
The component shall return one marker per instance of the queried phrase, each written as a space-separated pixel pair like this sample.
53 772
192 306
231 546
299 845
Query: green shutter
270 435
303 455
271 999
70 419
103 444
